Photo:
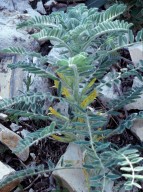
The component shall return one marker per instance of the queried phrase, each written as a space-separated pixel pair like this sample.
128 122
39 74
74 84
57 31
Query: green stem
94 150
76 82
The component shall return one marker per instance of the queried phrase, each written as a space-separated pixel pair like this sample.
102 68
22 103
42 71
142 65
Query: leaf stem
94 150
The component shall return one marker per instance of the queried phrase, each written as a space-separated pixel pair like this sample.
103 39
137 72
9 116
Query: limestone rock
137 128
109 186
108 93
40 8
14 127
15 5
11 139
3 116
56 53
136 52
72 179
138 104
4 171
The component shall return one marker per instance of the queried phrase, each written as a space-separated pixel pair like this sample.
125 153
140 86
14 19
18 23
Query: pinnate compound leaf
35 136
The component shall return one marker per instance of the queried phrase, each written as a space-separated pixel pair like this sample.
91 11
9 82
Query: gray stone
3 116
136 52
50 3
56 53
138 104
137 128
108 93
72 179
5 77
11 139
15 5
109 186
24 133
40 8
23 119
14 127
4 171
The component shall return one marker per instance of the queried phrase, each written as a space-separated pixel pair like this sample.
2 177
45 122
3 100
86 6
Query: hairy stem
94 150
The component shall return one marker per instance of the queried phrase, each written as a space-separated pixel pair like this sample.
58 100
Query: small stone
3 116
15 127
50 3
11 139
138 104
40 8
137 128
33 156
23 119
136 52
72 179
31 190
109 186
108 93
4 171
56 53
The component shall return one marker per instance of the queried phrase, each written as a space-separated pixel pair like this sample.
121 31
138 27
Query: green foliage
134 12
90 40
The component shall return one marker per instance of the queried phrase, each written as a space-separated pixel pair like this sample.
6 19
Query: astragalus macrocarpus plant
91 39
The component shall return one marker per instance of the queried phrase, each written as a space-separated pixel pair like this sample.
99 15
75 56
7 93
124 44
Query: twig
32 183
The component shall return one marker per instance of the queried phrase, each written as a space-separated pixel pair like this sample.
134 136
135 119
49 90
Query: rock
4 171
15 127
10 37
5 77
32 13
136 52
15 5
72 179
138 104
11 82
50 3
4 4
8 22
108 93
137 128
56 53
23 119
11 139
109 186
24 133
40 8
3 116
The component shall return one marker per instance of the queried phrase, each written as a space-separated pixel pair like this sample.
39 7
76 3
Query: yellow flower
65 138
57 114
56 83
54 112
89 99
66 92
98 138
91 82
